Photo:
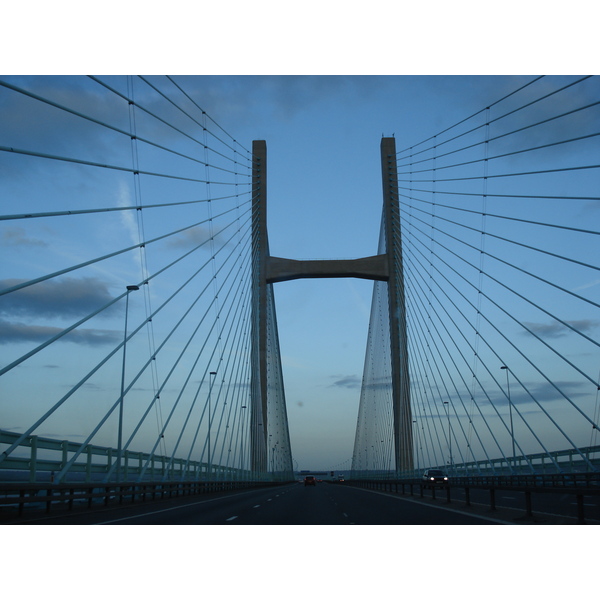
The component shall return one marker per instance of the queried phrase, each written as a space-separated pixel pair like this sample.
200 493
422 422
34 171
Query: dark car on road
310 480
434 477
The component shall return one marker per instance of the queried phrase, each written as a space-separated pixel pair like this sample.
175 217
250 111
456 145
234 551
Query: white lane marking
269 500
232 518
256 506
155 512
345 515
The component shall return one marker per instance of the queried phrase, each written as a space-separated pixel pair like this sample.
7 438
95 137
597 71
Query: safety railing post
528 511
580 515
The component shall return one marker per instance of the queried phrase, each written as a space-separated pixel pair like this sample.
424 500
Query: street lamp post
447 407
418 462
243 470
512 431
130 288
210 385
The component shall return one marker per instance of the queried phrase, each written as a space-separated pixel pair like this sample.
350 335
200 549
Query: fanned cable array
125 306
501 252
374 441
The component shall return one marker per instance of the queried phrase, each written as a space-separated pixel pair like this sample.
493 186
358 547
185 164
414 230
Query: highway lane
294 504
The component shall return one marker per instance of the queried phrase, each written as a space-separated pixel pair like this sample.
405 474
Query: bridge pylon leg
403 436
260 253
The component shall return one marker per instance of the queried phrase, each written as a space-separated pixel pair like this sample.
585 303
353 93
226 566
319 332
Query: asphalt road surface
293 504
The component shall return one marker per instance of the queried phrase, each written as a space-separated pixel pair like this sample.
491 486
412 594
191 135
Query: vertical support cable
399 347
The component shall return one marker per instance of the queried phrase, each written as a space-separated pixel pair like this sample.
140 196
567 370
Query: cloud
556 329
11 333
17 236
191 238
347 381
67 297
34 125
593 283
545 392
570 126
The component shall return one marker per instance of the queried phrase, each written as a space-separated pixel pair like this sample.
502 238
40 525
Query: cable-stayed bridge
139 328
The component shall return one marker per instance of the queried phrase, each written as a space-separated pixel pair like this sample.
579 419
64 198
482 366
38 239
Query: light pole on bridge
447 407
512 431
211 376
130 288
417 428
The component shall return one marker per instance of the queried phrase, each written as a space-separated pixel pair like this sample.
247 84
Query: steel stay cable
493 139
134 380
473 115
505 217
417 400
167 378
90 163
478 195
64 332
236 378
204 112
511 289
17 442
476 378
192 118
162 120
476 177
30 282
521 353
514 111
441 377
238 423
92 119
87 211
471 369
141 236
431 422
459 371
152 452
588 301
505 155
435 417
225 369
199 355
94 370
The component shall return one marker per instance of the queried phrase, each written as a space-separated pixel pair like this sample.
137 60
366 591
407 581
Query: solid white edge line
453 510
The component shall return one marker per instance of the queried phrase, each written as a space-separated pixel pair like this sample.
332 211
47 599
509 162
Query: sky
324 201
323 158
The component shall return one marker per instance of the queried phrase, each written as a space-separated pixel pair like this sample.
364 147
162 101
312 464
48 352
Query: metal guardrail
572 460
576 484
40 455
67 495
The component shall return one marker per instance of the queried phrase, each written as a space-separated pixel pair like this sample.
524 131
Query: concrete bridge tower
386 267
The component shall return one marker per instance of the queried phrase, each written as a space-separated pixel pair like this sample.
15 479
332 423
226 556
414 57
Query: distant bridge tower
269 269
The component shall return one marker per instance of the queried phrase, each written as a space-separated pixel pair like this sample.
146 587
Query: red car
310 480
